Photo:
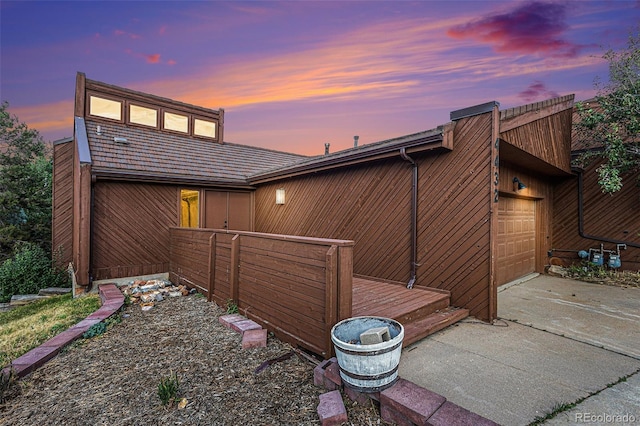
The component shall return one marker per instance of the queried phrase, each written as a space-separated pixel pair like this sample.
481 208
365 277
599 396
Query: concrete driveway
558 341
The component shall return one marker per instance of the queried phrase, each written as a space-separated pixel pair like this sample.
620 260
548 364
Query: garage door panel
515 239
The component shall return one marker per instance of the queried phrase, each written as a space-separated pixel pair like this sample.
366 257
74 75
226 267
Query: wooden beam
331 297
345 282
234 264
84 226
493 212
526 117
212 266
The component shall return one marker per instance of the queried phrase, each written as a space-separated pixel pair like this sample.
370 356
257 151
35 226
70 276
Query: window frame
175 132
143 105
100 95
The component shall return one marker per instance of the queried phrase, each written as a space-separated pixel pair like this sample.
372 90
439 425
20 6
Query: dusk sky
292 76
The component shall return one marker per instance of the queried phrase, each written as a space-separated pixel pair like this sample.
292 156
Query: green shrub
168 389
95 330
232 306
27 271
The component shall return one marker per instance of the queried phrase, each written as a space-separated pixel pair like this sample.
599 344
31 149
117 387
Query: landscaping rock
557 271
23 299
5 307
54 291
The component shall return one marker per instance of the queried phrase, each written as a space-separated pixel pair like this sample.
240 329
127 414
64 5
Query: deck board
372 297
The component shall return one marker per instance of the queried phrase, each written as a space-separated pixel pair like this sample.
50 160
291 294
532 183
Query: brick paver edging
112 301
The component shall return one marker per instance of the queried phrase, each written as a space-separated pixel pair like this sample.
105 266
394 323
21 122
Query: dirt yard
113 379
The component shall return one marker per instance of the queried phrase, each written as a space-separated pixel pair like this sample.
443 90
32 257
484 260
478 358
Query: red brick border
112 301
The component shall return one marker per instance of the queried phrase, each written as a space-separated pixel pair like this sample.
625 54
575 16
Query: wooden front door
516 239
228 210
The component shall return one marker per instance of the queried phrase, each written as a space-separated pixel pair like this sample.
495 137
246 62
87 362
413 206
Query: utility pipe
414 217
581 220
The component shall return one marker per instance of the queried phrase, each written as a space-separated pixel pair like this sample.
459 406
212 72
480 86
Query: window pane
142 115
179 123
204 128
189 208
105 108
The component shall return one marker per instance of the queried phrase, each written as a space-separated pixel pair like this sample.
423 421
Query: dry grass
26 327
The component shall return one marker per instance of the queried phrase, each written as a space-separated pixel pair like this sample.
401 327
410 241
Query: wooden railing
296 287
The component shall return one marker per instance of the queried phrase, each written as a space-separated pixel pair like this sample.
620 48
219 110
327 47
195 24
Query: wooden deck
421 311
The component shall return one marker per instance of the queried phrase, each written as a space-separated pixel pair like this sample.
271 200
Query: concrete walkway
564 341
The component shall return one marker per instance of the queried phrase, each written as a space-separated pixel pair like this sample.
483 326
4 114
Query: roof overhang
419 142
146 177
521 158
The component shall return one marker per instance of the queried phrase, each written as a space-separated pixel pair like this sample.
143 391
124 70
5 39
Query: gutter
414 217
581 220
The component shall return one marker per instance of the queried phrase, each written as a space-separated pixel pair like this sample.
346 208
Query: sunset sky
295 75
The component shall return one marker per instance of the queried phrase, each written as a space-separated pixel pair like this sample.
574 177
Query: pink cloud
537 91
153 59
171 62
162 30
124 33
531 28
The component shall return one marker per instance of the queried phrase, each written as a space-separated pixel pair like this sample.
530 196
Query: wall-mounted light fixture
280 196
517 185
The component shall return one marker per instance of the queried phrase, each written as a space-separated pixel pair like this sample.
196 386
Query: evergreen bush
27 271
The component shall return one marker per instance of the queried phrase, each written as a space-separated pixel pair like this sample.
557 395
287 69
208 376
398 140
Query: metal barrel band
371 389
372 353
370 376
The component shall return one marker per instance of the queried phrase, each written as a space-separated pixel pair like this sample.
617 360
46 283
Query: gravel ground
113 379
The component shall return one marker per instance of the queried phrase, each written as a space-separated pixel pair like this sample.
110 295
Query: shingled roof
149 155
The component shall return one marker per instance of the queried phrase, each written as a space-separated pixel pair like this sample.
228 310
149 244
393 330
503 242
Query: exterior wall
612 217
371 205
62 220
130 234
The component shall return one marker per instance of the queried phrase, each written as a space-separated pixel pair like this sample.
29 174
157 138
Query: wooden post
212 266
331 298
345 282
234 266
493 212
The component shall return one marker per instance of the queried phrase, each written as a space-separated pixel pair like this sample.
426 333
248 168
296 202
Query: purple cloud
537 91
531 28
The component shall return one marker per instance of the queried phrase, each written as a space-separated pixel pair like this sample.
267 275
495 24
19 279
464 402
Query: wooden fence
296 287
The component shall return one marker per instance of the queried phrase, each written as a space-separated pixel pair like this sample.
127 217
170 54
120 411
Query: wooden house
147 182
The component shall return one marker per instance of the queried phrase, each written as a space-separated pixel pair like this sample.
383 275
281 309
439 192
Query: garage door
516 239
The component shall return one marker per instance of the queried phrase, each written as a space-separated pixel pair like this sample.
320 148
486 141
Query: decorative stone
54 291
331 409
375 335
412 401
244 325
147 308
254 339
24 299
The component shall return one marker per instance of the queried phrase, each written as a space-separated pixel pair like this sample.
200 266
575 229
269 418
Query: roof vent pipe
326 148
414 218
355 141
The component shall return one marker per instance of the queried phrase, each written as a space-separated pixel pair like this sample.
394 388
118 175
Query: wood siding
612 217
62 221
371 205
547 138
296 287
131 228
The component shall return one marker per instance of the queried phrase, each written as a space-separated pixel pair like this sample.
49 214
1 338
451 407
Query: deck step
417 330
